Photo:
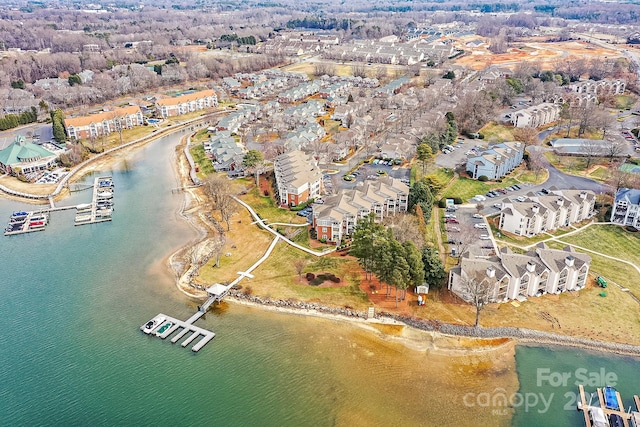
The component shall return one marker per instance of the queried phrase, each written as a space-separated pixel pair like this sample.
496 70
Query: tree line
10 121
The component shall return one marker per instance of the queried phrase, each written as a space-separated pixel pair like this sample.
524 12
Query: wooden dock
601 405
185 328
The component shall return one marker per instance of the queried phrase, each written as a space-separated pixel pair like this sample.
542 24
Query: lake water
72 300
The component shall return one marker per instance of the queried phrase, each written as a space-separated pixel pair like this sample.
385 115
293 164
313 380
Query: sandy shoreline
182 268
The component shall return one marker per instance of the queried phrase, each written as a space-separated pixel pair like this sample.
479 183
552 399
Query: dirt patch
532 50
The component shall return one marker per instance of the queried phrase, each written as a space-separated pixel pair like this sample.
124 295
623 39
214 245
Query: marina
163 326
99 210
608 409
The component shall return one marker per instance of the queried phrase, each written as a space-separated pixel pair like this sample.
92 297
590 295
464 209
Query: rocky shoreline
521 335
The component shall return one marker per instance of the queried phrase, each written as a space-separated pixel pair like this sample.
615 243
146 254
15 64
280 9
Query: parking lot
468 231
451 159
368 171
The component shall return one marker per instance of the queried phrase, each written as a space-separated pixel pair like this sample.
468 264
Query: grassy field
494 132
609 239
466 188
277 278
204 164
267 209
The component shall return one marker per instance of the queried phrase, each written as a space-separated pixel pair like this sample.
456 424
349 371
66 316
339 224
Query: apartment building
537 214
187 103
298 178
537 115
104 123
626 207
519 276
496 161
338 216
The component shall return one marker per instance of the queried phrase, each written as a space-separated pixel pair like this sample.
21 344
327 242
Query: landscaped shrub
483 178
310 277
457 200
442 203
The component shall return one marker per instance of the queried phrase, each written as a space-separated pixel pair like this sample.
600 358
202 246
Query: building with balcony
298 178
537 214
187 103
104 123
338 216
626 207
496 161
510 276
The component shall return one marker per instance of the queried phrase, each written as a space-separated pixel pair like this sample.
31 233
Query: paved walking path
262 224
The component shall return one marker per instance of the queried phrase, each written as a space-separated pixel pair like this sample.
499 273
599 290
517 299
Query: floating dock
186 329
99 210
101 207
27 222
602 411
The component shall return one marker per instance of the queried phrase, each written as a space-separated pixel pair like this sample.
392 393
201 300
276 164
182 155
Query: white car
485 237
480 225
477 216
479 198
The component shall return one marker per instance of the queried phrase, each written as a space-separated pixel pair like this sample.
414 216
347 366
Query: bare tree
590 149
219 189
477 290
299 264
536 162
406 228
614 149
528 135
359 70
619 179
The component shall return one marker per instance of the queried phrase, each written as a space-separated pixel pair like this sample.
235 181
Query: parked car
485 237
497 205
452 221
480 225
477 216
449 215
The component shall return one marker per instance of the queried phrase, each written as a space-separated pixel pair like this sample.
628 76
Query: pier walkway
593 411
171 325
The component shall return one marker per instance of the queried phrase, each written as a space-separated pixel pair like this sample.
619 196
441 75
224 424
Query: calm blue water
72 300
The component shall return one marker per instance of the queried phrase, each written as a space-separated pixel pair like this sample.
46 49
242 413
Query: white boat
84 206
148 327
83 218
105 195
162 329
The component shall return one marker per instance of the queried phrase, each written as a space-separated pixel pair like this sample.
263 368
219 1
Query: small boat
36 224
83 218
611 398
84 206
19 214
162 329
152 324
105 195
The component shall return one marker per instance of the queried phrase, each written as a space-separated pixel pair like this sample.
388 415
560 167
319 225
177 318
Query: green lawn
266 207
494 132
613 241
466 188
204 164
609 239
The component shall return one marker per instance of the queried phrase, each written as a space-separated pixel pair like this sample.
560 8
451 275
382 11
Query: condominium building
187 103
536 214
104 123
298 178
496 161
626 207
338 216
537 115
510 276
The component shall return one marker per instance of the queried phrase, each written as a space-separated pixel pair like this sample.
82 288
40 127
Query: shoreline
452 331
